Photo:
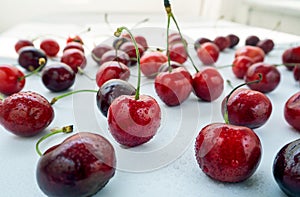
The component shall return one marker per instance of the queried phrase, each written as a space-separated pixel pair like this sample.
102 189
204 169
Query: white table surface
165 166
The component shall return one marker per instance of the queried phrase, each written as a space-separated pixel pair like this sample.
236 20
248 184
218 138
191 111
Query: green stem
70 93
42 63
118 34
66 129
225 66
168 50
81 72
226 119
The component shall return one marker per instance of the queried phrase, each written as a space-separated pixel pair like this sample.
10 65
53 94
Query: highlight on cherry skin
292 111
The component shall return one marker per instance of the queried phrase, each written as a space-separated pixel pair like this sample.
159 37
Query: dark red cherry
31 58
252 40
115 55
118 42
12 79
74 58
291 56
98 52
50 47
292 111
234 40
165 66
240 66
296 72
175 38
73 45
222 42
200 41
266 45
129 48
22 43
58 77
178 53
110 90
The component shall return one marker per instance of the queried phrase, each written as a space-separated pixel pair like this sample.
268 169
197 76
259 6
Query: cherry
240 66
141 40
74 38
222 42
128 47
286 168
291 56
115 55
31 58
151 62
292 111
266 45
112 70
254 52
58 77
175 38
270 77
50 47
173 87
228 153
252 40
200 41
110 90
133 120
73 45
118 42
74 58
248 108
178 52
25 113
12 79
165 66
208 84
208 53
296 72
98 52
234 40
79 166
22 43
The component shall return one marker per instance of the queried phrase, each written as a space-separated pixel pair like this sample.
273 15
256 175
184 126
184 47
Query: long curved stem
70 93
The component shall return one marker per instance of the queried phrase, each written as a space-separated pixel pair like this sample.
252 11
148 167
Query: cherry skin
75 38
12 79
292 111
175 38
79 166
112 70
31 58
208 84
58 77
26 113
178 52
296 72
286 168
133 122
222 42
165 66
234 40
200 41
74 58
129 48
73 45
98 52
252 40
141 40
115 55
266 45
228 153
110 90
118 42
151 62
291 56
174 87
248 108
208 53
270 77
50 47
256 53
22 43
240 66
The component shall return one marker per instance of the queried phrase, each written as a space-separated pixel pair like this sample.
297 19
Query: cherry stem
229 83
68 94
168 50
66 129
224 66
287 64
42 63
118 34
1 97
234 89
171 15
81 72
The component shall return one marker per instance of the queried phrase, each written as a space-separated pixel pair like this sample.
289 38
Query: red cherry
292 111
266 45
75 38
255 53
178 53
248 108
240 66
22 43
142 41
25 113
129 48
208 84
252 40
74 58
133 122
98 52
115 55
291 56
175 38
234 40
228 153
112 70
200 41
12 80
50 47
208 53
270 77
222 42
165 66
73 45
151 62
173 87
296 72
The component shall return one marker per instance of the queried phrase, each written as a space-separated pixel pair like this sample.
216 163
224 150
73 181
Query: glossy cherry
98 51
112 70
286 170
175 38
31 58
73 45
291 56
222 42
118 42
115 55
254 52
74 58
200 41
165 66
292 111
178 52
110 90
50 47
234 40
240 66
296 72
58 77
151 62
74 38
208 53
266 45
208 84
25 113
12 79
79 166
22 43
252 40
129 48
270 77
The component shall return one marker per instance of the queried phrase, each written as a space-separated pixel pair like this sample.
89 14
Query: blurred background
282 15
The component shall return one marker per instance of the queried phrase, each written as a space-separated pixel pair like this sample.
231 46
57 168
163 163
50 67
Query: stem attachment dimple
42 62
66 129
